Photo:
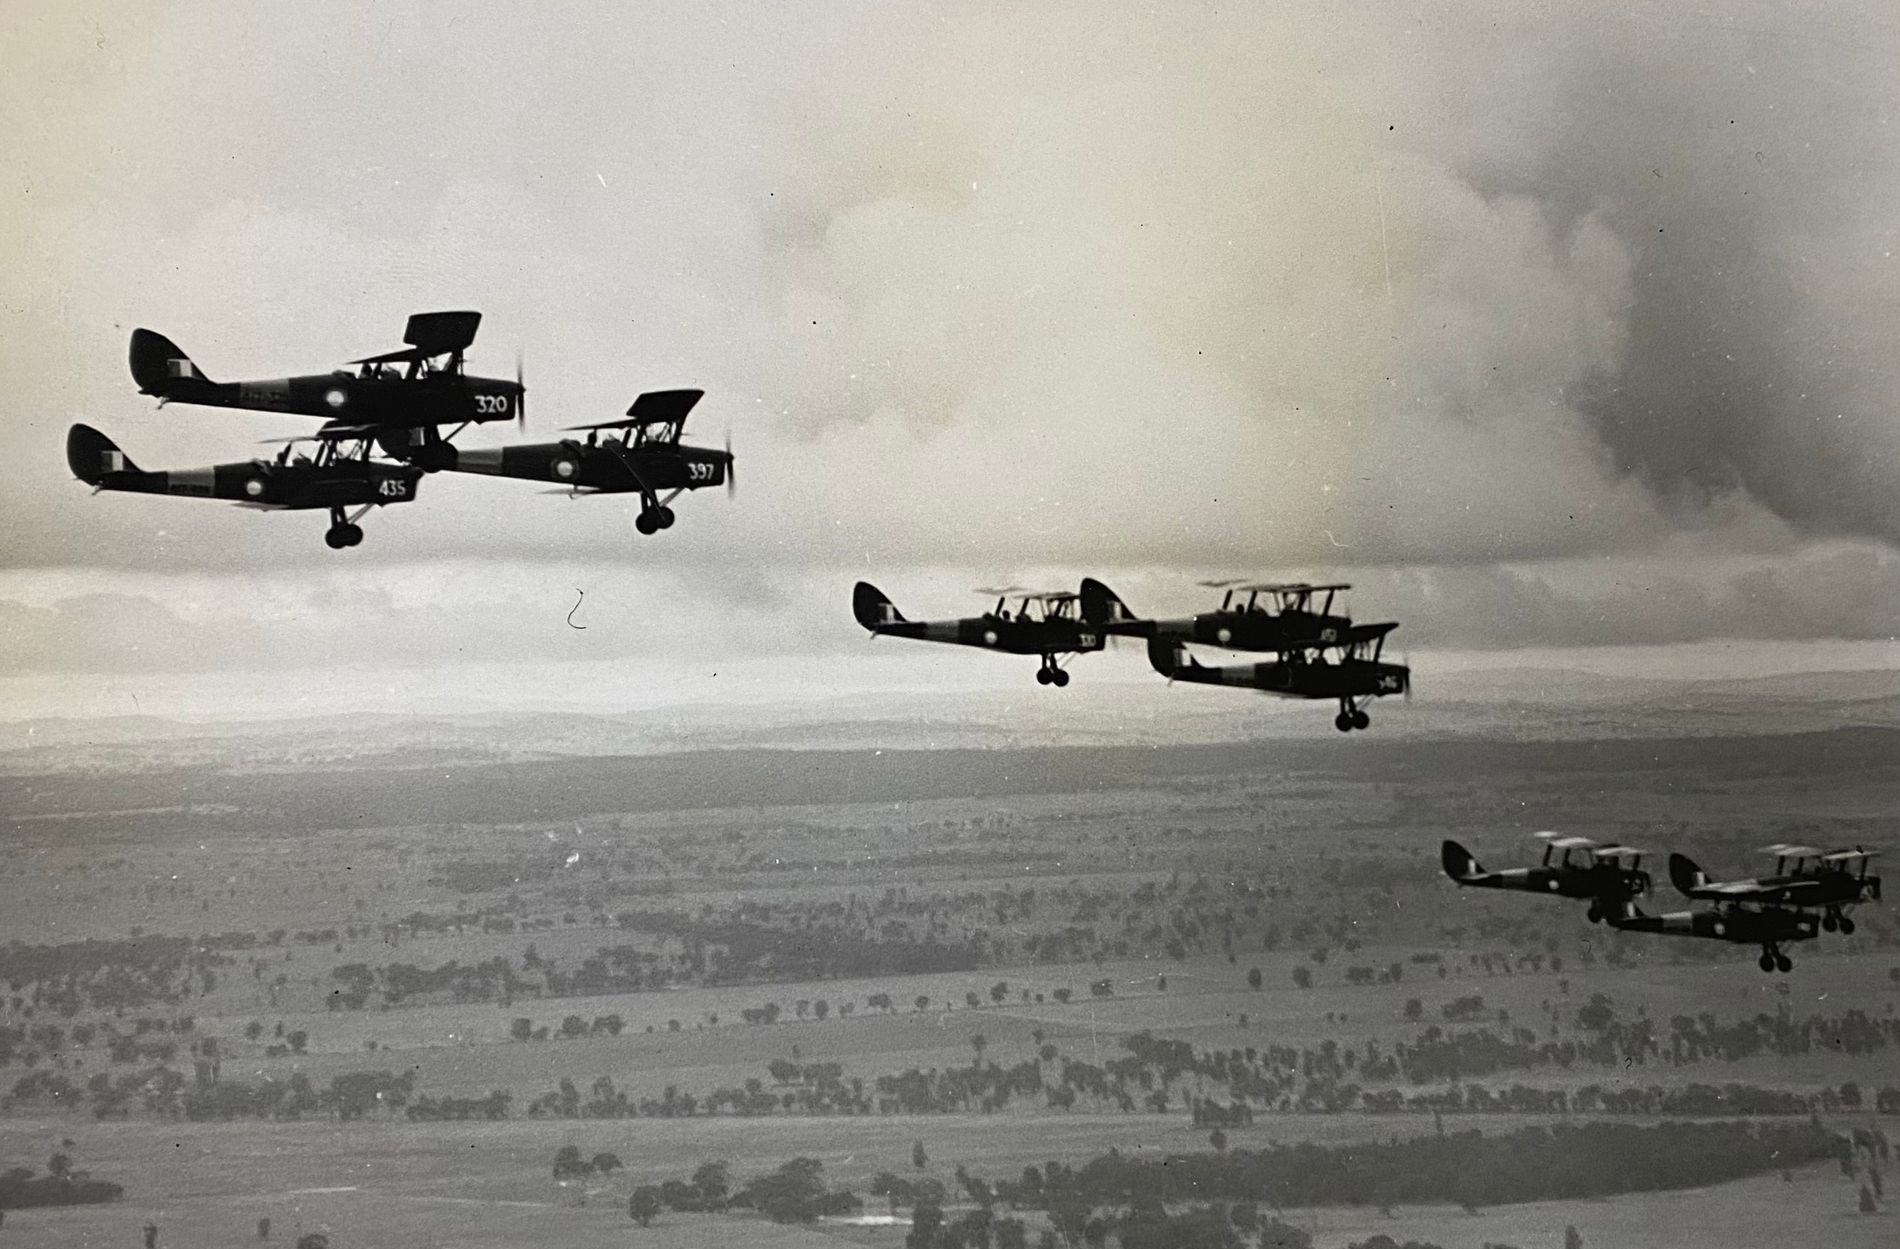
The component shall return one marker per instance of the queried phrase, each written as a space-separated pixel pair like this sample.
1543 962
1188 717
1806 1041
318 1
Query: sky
1549 325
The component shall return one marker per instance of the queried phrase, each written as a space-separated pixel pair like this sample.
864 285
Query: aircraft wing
1360 634
670 406
655 407
431 334
1284 587
1739 890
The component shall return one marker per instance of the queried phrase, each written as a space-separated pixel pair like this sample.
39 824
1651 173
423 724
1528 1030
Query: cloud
1466 306
1180 286
1740 163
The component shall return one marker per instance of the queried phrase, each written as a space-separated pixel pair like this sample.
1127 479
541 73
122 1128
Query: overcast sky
1553 325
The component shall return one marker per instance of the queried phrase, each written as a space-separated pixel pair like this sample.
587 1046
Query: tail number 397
701 470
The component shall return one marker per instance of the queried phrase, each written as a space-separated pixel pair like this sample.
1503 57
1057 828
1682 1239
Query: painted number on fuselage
491 405
699 470
392 488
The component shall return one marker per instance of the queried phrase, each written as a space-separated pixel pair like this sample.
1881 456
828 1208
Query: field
626 950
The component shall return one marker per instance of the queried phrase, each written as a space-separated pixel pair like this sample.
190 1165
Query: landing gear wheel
663 516
1847 926
1058 677
333 538
646 523
1829 922
1361 720
1343 722
352 535
1594 914
1766 962
1043 677
1783 963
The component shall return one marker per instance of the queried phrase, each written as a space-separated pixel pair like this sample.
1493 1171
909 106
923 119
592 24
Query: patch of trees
21 1189
734 950
112 975
795 1193
1565 1162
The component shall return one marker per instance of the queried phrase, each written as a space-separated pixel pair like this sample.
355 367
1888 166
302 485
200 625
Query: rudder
1685 875
1101 605
160 366
1459 863
93 457
872 608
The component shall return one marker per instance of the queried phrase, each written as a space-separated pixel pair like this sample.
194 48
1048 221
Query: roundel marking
1719 928
989 637
254 487
1224 636
564 469
1551 885
335 398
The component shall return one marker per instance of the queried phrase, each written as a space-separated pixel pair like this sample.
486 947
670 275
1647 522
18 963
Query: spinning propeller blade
732 469
521 396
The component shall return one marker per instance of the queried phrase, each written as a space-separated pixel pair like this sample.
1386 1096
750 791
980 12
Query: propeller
521 396
732 469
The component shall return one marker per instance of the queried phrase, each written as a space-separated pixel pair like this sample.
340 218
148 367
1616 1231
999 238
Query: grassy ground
1347 842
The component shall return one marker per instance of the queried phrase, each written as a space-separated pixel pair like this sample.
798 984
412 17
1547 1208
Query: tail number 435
392 488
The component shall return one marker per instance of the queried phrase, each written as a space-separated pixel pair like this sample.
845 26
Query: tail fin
1623 912
1685 875
93 457
872 608
1168 657
1459 863
160 367
1101 605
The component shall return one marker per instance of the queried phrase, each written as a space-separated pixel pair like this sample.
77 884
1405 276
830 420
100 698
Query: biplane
646 457
1572 867
340 476
402 399
1355 675
1742 923
1044 623
1269 616
1830 881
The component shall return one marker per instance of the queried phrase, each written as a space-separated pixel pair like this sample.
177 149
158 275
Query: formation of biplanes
389 420
1811 891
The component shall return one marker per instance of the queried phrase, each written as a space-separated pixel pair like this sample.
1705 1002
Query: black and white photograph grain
949 624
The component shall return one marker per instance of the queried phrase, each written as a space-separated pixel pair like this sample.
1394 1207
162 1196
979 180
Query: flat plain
754 955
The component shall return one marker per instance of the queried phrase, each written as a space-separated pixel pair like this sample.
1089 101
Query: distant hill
1507 703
